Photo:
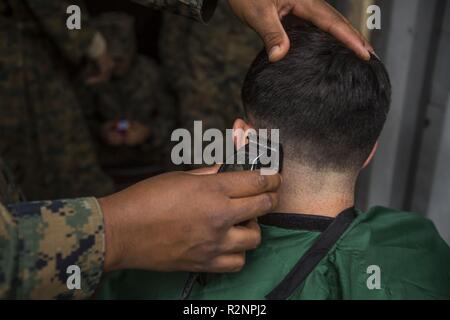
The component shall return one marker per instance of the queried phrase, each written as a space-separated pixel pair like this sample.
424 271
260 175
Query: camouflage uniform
38 240
43 134
206 66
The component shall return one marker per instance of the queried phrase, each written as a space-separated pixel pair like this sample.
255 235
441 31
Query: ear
240 128
371 155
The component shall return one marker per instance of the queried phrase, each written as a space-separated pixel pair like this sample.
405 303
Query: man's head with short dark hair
329 105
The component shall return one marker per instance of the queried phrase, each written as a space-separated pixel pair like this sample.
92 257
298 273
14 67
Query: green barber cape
382 254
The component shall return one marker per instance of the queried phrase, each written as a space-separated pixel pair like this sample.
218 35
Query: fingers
242 238
227 263
245 209
264 17
238 240
205 171
266 22
247 184
330 20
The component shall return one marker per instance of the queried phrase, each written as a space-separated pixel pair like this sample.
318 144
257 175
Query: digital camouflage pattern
206 66
43 133
200 10
40 240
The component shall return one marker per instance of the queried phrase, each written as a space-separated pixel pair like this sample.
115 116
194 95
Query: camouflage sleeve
52 16
40 240
201 10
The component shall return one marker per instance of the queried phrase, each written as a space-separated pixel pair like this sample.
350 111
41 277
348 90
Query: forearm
200 10
40 240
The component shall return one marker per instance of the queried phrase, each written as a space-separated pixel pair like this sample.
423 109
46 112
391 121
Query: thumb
268 25
205 171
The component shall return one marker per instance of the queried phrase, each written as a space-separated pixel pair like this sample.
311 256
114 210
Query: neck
306 191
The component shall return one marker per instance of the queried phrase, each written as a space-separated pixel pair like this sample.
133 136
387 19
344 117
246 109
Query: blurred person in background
43 133
132 109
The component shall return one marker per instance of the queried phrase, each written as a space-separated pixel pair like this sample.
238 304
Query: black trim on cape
307 263
296 221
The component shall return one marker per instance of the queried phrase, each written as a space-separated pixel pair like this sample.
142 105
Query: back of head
329 105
